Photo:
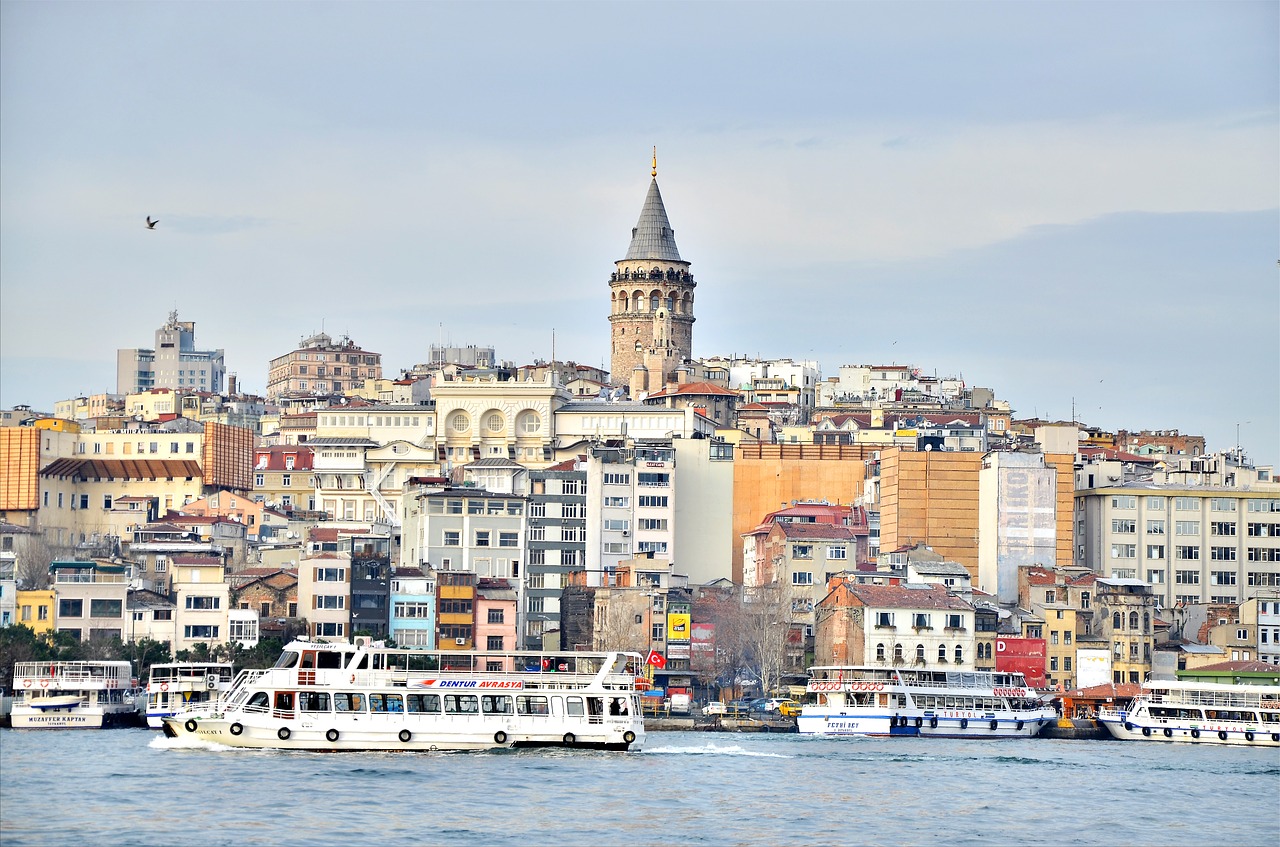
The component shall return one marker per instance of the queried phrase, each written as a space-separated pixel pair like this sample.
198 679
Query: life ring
331 736
1222 735
283 733
405 735
919 722
1168 733
933 723
164 686
1248 736
629 736
1146 730
499 737
191 725
964 723
569 739
994 723
26 683
44 683
1195 733
236 728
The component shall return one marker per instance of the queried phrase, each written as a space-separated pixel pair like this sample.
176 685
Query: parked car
738 707
769 704
789 709
715 707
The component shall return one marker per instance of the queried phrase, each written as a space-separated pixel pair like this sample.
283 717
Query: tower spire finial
655 162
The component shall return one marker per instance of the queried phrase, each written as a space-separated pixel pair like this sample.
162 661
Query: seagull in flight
150 223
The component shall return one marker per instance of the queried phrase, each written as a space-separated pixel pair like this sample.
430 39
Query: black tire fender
331 736
283 733
629 737
569 739
499 737
406 735
191 725
236 728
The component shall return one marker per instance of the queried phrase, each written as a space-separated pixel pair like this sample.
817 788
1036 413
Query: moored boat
365 696
72 695
175 686
1199 713
846 700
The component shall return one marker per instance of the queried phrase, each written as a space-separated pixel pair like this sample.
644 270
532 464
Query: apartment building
412 622
557 545
906 625
91 599
1191 543
202 599
321 365
174 362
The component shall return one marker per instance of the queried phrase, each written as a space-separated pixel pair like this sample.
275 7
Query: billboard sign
1024 656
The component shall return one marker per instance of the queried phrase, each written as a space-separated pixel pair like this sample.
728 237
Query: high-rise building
174 362
651 302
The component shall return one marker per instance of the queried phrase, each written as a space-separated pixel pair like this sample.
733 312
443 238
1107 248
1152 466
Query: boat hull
1137 729
851 722
80 717
364 734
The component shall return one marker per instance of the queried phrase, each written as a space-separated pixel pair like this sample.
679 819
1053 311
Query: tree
765 629
144 653
34 555
616 614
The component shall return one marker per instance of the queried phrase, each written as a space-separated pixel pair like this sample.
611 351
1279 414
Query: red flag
656 659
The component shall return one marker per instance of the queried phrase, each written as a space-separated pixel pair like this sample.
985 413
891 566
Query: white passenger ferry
1199 712
175 686
893 702
73 695
364 696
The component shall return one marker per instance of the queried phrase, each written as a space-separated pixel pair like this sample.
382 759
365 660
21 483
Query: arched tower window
1117 622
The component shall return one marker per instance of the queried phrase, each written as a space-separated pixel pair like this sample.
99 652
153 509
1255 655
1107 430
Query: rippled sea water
133 787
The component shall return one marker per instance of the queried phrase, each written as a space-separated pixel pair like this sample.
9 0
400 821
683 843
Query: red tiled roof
695 389
123 468
816 531
1123 691
275 456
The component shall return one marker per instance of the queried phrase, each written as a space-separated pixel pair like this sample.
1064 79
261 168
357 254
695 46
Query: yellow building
36 609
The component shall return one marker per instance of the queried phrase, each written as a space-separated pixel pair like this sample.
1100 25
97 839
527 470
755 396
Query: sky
1076 204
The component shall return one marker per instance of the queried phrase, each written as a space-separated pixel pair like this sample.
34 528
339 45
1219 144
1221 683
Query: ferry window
284 701
345 702
308 660
385 703
531 705
287 659
313 701
461 704
424 703
494 704
328 659
573 707
259 700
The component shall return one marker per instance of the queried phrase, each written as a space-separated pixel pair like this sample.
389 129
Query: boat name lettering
58 719
836 685
1010 692
472 683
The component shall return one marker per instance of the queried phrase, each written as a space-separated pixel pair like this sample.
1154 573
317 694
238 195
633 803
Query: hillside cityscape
742 519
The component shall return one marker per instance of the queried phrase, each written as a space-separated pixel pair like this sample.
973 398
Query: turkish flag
656 659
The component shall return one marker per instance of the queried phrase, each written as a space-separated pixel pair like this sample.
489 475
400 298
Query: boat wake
714 750
162 743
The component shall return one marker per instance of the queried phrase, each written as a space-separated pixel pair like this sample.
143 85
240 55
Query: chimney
232 385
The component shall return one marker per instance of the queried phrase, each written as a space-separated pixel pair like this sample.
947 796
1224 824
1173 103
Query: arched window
880 652
653 302
1133 620
897 652
942 652
920 653
1117 622
959 655
637 346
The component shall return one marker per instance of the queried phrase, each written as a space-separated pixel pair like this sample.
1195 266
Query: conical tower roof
653 237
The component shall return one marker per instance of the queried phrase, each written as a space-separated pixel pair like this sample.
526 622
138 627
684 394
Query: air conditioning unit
460 641
211 682
626 533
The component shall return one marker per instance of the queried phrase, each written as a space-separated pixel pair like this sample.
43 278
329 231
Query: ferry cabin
883 701
175 686
1208 713
73 695
339 697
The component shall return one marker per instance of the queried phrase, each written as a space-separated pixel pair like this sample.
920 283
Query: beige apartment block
321 365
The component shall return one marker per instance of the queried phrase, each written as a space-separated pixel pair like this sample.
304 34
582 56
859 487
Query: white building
1017 519
174 362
